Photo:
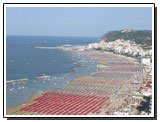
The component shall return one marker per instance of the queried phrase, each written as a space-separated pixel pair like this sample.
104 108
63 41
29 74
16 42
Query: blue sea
23 60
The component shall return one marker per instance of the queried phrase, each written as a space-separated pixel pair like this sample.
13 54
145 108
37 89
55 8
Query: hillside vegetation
143 37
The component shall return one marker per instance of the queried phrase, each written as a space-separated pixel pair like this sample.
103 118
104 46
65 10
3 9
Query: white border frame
79 5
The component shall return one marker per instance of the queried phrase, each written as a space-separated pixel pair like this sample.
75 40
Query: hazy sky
75 21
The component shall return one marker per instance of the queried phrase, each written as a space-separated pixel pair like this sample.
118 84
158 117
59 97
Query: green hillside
143 37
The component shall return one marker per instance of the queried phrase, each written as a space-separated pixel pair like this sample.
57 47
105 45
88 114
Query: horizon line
53 35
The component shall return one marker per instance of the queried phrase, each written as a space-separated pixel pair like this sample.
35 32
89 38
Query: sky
75 21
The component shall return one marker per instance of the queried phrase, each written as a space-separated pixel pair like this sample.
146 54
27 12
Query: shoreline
29 101
108 106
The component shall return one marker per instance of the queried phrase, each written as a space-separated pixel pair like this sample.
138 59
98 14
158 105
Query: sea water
23 60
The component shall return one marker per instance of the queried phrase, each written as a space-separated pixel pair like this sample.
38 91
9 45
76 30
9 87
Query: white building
93 45
146 61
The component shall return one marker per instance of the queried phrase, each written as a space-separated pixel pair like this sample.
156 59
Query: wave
17 80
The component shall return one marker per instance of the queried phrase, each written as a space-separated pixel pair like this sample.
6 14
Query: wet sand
30 101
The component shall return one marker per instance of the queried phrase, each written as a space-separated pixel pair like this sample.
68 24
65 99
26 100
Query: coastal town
89 61
121 85
141 88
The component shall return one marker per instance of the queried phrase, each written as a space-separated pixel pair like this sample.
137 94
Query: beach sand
111 81
30 101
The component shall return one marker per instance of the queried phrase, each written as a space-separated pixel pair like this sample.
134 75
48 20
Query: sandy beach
108 90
